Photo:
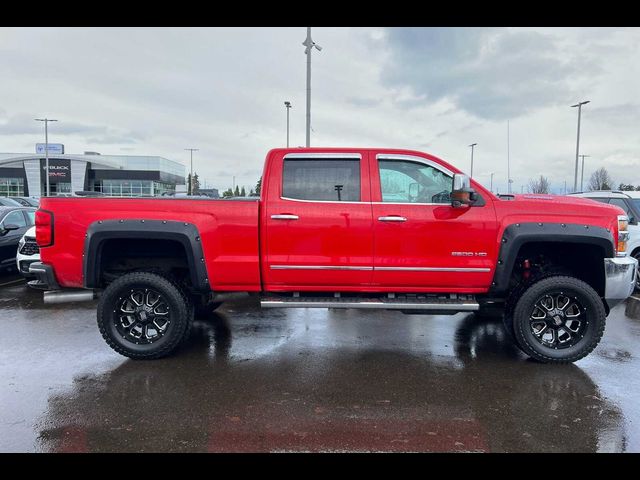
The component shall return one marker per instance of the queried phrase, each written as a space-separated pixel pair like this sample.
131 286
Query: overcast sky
156 91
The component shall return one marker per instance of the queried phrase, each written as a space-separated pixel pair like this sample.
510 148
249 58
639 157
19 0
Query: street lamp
472 145
491 187
310 44
575 178
288 106
191 174
46 147
582 175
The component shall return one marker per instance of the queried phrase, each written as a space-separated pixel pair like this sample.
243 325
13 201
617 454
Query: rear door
318 222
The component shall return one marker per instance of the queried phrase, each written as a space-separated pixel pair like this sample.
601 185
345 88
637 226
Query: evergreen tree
258 186
236 193
243 193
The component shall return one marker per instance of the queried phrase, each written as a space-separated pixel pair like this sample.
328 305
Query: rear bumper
45 278
620 279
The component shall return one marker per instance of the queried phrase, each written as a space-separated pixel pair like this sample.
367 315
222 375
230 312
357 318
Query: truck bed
228 231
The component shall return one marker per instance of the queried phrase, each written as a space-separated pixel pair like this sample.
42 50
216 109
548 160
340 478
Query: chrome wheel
558 320
143 316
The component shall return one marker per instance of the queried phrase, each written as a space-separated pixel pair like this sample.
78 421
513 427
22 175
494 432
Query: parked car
629 201
14 223
9 202
27 201
28 252
322 236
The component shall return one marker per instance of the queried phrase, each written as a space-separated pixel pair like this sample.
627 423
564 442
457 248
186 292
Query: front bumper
620 279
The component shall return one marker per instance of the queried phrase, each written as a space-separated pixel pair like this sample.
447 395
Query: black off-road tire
636 255
181 315
586 296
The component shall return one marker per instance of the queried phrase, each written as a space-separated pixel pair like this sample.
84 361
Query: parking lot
307 380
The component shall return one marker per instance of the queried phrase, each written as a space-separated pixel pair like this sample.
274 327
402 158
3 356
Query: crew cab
342 228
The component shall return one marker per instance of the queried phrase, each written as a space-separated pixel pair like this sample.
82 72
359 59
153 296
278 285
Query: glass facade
11 187
132 188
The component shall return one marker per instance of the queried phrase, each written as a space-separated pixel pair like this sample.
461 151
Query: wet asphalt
308 380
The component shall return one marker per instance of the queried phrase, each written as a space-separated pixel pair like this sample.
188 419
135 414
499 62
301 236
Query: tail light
44 228
623 235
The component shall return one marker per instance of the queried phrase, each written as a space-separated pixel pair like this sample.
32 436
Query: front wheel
559 319
637 257
144 315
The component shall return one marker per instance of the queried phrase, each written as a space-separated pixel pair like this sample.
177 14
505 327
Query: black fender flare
185 233
519 234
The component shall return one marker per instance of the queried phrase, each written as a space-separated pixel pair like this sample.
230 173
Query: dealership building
24 174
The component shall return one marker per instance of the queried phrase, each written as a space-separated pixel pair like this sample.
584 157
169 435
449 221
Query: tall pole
309 44
472 145
575 178
582 174
191 150
491 187
46 148
508 162
288 106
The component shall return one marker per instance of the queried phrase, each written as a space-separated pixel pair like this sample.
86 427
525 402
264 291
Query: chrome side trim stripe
317 267
386 269
432 269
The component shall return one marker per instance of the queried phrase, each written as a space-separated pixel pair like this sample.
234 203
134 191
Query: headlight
623 235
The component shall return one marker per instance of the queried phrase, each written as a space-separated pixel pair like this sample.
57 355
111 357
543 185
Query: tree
627 187
236 192
243 192
196 184
227 193
540 185
600 180
258 186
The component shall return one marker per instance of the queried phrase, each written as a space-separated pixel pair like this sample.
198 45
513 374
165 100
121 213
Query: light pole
46 147
491 187
191 171
310 44
509 181
575 178
582 174
288 106
472 145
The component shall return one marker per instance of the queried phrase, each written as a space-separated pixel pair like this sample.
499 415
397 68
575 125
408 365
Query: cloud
491 73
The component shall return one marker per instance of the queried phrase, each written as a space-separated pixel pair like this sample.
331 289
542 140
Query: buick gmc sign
59 169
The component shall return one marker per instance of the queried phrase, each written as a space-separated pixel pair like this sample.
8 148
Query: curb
632 309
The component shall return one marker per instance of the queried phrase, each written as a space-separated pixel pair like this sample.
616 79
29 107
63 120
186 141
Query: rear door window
336 180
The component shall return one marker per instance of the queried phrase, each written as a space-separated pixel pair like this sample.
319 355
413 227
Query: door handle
284 216
392 218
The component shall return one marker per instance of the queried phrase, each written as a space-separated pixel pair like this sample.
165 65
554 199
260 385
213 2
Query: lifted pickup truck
342 228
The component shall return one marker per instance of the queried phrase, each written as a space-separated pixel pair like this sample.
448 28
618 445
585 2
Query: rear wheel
558 319
144 315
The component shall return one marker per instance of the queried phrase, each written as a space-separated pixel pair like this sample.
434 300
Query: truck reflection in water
368 397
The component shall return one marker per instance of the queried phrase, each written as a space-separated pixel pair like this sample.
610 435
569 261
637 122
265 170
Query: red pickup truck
342 228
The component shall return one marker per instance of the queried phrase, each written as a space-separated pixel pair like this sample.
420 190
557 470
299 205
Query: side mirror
462 194
4 229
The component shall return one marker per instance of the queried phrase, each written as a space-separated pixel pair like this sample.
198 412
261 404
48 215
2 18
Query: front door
318 223
421 242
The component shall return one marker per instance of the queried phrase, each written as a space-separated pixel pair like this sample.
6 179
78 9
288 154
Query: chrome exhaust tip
67 296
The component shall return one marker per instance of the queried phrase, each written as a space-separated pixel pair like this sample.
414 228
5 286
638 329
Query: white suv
630 203
28 252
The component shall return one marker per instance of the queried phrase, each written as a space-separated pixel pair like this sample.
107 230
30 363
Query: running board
463 303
